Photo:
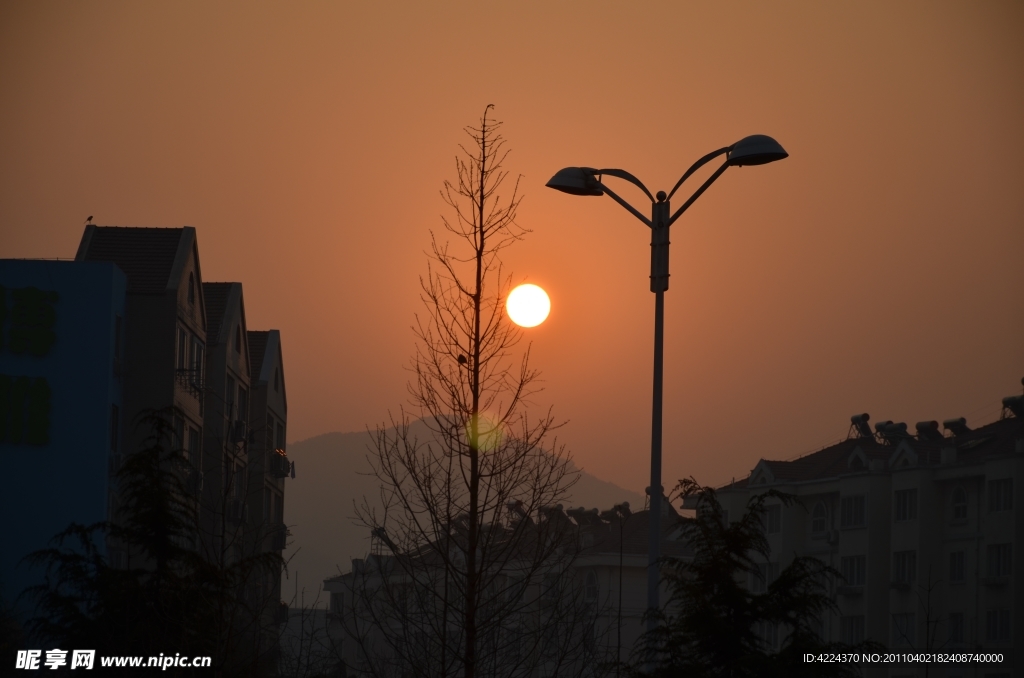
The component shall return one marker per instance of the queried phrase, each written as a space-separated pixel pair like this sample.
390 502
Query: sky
878 269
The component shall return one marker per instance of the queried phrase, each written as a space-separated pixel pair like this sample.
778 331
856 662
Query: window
1000 494
852 511
956 566
903 626
192 453
853 569
191 288
999 560
959 505
904 567
229 398
997 625
956 627
819 518
182 349
239 483
591 593
337 603
243 403
851 629
906 505
277 379
179 433
763 578
772 519
280 435
238 338
266 504
197 357
278 508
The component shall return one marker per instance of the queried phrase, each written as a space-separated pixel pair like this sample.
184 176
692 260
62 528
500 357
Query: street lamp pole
753 150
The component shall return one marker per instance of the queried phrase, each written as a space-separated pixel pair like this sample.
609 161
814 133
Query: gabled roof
257 349
216 296
146 255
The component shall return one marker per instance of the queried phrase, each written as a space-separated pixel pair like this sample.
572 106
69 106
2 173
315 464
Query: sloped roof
994 439
257 351
216 296
634 536
146 255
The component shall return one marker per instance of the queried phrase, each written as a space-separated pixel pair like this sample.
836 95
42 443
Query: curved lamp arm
632 210
703 187
623 174
696 166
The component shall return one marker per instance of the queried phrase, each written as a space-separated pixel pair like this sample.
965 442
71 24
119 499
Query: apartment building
594 592
923 527
225 511
164 337
268 449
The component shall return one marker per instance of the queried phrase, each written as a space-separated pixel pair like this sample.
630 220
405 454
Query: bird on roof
89 220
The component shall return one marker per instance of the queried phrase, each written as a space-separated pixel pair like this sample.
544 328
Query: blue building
61 364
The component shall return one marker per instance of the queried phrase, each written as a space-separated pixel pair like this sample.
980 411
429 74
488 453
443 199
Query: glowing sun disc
528 305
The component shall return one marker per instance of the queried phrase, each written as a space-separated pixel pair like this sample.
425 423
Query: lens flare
489 435
528 305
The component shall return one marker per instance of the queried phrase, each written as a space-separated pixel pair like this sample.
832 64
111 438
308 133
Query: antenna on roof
859 423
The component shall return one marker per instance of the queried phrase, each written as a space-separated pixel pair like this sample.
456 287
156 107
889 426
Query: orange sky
878 269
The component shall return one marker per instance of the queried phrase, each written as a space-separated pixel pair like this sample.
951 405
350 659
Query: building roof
146 255
994 439
257 350
216 296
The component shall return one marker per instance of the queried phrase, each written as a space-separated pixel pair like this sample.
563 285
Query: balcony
191 381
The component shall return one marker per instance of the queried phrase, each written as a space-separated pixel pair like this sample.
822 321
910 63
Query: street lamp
757 149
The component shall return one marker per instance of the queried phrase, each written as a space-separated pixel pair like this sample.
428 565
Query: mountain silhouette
331 475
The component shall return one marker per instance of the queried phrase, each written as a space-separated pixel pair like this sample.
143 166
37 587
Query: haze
877 269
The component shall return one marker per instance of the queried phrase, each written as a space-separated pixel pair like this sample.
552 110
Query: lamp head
756 149
575 181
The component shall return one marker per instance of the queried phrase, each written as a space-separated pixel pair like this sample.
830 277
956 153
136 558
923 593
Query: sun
528 305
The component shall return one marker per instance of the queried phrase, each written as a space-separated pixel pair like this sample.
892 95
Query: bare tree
472 574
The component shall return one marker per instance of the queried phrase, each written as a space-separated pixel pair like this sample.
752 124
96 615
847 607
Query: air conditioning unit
279 465
832 537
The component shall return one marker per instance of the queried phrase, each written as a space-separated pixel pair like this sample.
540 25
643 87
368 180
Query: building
92 347
589 599
923 528
267 447
226 417
62 350
165 326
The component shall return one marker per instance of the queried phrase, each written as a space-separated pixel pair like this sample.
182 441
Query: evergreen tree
713 625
